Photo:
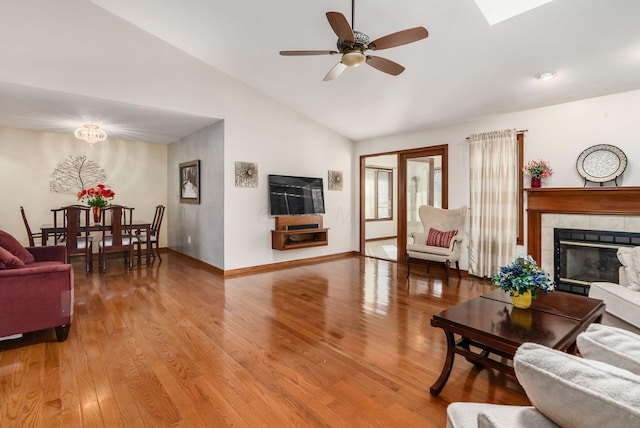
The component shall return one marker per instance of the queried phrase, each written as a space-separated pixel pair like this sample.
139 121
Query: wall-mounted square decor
335 180
246 174
190 182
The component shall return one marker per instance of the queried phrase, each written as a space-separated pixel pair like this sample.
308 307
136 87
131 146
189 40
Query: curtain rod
522 131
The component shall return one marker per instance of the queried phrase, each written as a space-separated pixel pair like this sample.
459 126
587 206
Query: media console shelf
302 231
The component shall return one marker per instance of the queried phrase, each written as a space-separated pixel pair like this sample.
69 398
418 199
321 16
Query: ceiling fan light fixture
90 133
353 58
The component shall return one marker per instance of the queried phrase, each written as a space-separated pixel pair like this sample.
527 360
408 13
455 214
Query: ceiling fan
352 45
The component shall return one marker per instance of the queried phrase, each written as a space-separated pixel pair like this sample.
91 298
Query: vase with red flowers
537 169
97 198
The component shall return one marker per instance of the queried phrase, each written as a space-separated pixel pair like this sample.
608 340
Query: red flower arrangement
98 196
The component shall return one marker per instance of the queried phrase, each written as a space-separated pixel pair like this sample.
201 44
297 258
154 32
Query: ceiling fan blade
335 72
385 65
341 27
297 53
400 38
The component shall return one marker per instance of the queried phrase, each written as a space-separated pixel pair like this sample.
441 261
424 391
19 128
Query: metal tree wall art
76 173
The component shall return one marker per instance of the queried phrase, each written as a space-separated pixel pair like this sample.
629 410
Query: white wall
557 134
28 158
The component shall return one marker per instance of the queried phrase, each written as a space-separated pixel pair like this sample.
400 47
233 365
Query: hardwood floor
340 343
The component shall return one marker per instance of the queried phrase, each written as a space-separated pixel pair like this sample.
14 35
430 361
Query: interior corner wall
557 133
197 230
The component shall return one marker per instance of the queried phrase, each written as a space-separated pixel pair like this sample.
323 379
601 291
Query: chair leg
458 269
428 265
408 261
157 251
446 268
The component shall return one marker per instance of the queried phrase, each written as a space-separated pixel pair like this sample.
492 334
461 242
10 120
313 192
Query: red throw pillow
12 245
437 238
9 261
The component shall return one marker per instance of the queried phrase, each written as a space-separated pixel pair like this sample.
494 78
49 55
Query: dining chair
154 235
117 234
35 239
74 221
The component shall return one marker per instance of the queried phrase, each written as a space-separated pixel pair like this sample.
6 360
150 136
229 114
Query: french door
422 179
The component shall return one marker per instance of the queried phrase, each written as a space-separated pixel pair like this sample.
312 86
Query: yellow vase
522 301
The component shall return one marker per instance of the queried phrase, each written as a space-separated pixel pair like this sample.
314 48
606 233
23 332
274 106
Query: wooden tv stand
284 238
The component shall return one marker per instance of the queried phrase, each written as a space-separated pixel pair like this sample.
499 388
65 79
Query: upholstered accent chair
442 238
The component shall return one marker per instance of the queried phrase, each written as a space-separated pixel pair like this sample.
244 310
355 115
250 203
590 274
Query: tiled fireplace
582 256
598 213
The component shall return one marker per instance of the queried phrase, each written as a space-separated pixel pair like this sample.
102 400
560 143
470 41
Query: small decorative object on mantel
97 198
246 174
335 180
601 163
521 279
537 169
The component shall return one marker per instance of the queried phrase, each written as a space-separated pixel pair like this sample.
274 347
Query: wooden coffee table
489 327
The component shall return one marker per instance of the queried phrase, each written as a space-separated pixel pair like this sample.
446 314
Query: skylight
500 10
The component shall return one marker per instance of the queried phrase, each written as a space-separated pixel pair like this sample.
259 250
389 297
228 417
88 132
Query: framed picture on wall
190 182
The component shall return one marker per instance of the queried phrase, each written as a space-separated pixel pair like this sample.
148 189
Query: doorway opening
392 188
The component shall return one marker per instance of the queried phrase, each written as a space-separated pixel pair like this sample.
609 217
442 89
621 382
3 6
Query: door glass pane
369 194
384 194
424 187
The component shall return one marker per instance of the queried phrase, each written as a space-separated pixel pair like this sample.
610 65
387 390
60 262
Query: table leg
448 365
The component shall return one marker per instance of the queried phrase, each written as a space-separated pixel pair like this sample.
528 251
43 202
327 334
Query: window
379 194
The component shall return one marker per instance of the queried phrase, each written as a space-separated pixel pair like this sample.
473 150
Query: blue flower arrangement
523 275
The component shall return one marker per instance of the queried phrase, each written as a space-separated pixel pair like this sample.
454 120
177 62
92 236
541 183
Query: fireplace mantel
575 200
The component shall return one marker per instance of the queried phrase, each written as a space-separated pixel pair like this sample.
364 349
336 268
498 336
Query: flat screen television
290 195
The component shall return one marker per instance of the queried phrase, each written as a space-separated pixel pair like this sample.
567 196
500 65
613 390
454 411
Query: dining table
137 225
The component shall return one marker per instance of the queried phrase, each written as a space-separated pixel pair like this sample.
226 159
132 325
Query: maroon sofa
39 295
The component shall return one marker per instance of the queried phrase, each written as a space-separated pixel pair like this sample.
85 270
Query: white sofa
623 299
600 389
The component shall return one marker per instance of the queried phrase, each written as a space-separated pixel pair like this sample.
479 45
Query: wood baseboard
262 268
203 265
288 264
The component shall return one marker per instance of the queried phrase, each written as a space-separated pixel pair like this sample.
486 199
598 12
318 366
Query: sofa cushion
513 416
629 258
9 261
12 245
612 345
621 301
577 392
437 238
470 415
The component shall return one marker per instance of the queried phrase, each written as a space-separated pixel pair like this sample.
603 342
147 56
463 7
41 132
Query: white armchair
442 238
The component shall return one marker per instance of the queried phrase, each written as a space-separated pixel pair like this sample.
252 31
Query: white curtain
494 169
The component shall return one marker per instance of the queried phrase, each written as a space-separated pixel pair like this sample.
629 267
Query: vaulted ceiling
465 69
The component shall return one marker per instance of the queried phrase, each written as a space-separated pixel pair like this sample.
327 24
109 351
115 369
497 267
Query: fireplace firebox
585 256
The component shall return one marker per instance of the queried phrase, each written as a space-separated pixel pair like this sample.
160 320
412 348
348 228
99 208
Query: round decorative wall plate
601 163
